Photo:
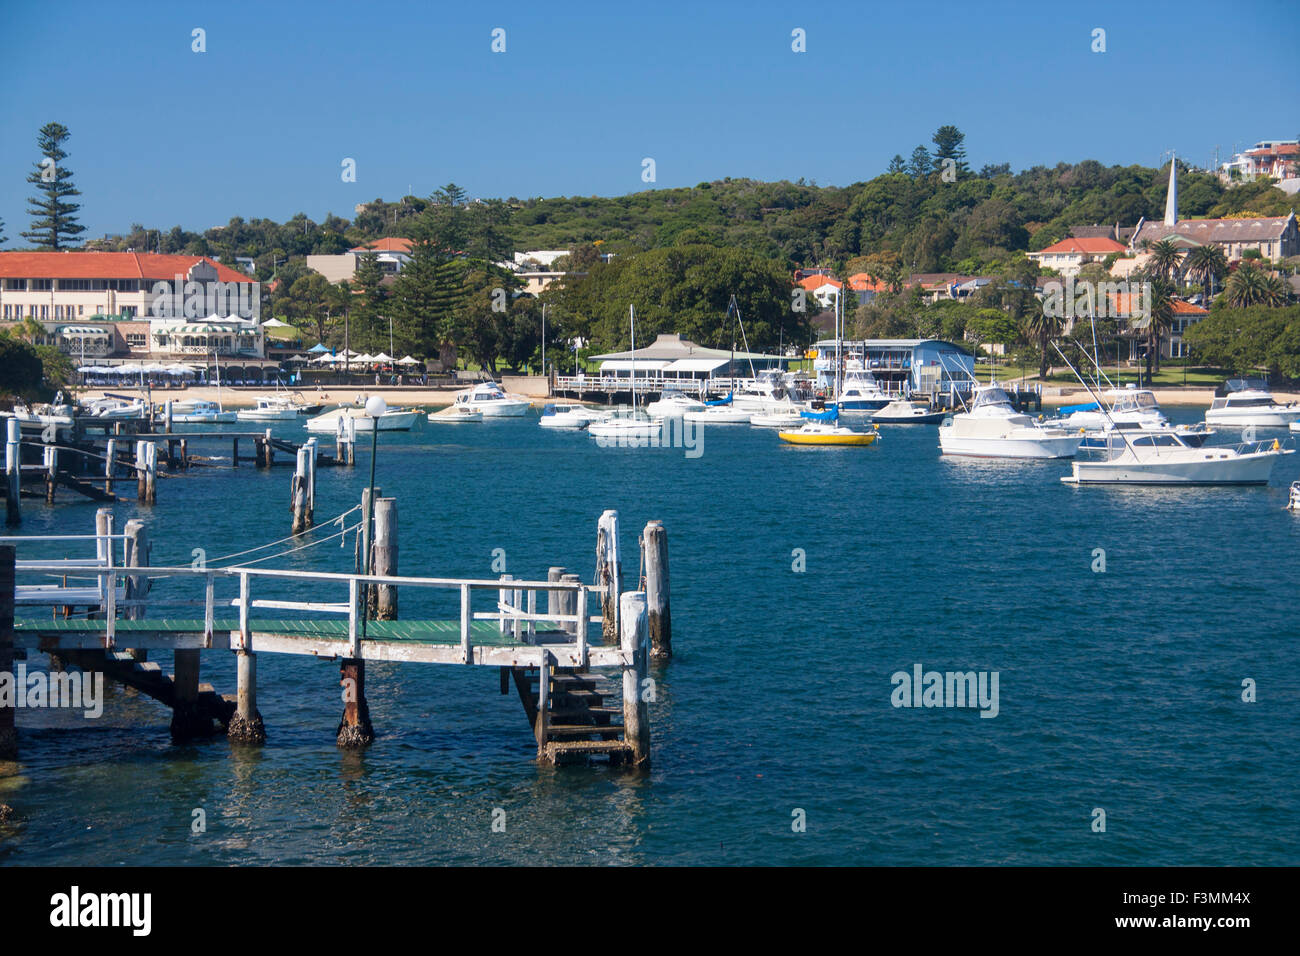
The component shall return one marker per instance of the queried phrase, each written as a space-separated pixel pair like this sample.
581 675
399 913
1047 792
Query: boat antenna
1115 429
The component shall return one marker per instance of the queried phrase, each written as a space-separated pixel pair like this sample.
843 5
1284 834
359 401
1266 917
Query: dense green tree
1250 285
948 142
54 219
369 325
1246 339
921 164
1206 265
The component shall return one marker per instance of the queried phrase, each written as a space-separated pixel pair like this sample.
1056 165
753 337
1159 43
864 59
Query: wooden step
586 712
557 747
584 730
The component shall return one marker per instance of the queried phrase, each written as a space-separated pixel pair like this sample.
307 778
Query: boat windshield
991 396
1249 401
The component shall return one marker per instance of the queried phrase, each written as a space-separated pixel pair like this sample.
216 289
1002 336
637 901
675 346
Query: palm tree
1206 264
1250 285
1042 328
1165 256
1160 322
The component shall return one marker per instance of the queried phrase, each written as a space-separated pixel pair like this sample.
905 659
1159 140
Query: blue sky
260 123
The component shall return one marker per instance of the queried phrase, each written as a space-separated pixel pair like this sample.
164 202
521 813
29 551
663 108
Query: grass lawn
1168 376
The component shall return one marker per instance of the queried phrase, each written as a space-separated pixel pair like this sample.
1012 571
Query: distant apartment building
392 253
1276 158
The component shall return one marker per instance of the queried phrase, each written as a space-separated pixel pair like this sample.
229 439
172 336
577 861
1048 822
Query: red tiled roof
1123 306
1093 245
862 282
816 282
389 244
107 265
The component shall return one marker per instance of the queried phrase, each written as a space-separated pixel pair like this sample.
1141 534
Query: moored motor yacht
903 412
200 412
994 429
673 403
860 392
568 415
394 419
269 408
490 399
622 425
1247 402
1166 459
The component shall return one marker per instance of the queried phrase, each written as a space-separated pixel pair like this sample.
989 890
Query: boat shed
672 356
902 366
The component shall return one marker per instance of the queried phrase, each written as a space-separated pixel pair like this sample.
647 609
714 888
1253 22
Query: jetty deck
541 634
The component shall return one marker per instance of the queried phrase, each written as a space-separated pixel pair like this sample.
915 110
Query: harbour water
1119 690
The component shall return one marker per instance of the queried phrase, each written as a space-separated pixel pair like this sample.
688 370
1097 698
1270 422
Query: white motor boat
859 392
393 420
116 408
199 412
994 429
455 415
1131 410
727 414
1166 459
903 412
568 415
673 404
492 401
269 408
617 428
1248 402
779 419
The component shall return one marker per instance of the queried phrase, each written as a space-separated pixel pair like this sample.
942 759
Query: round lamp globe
376 406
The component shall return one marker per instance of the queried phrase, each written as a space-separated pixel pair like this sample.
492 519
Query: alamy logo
75 691
1116 300
675 433
180 299
74 909
923 688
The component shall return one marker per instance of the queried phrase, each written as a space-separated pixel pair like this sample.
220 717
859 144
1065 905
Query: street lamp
375 409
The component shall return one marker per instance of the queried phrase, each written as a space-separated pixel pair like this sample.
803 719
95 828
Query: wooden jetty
37 466
564 661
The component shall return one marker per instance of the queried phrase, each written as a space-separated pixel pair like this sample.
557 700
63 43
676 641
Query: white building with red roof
1070 255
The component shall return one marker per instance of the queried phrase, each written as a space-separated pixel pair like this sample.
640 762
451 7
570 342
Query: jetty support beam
188 721
355 729
246 724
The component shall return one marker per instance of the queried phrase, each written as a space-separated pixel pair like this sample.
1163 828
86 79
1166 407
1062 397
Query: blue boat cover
828 415
1070 409
722 401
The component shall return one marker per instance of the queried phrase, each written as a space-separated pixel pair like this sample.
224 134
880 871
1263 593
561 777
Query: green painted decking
482 633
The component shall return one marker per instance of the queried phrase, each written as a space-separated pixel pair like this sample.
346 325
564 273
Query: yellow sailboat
827 433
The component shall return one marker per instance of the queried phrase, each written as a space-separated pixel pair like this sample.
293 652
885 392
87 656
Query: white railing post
354 633
110 612
209 593
464 623
581 607
244 603
532 615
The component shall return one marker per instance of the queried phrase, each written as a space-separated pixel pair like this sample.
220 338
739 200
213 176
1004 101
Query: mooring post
13 473
312 450
150 472
351 429
110 464
338 440
137 556
636 709
355 729
51 472
185 454
140 483
246 723
654 543
104 551
542 724
234 453
300 500
609 574
554 599
569 603
383 560
269 449
8 733
167 416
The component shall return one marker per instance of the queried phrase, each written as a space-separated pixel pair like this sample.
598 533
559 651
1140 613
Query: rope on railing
338 519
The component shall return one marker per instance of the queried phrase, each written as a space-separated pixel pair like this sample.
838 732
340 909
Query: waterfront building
900 366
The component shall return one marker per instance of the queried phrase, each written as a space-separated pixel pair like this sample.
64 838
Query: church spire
1171 200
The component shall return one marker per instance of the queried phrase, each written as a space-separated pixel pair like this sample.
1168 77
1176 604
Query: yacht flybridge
1249 402
1131 410
994 429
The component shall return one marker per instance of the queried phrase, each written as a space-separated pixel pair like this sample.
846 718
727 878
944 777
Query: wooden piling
383 560
350 432
110 464
569 602
636 710
167 416
246 723
541 723
299 495
554 599
137 556
146 472
13 473
187 720
8 732
51 472
268 450
654 544
609 574
355 729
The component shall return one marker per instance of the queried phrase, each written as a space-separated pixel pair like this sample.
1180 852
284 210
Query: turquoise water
1118 690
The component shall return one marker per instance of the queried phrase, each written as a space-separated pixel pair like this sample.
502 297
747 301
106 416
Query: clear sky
260 123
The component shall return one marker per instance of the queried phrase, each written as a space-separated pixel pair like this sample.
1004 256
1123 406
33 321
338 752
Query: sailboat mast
631 321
